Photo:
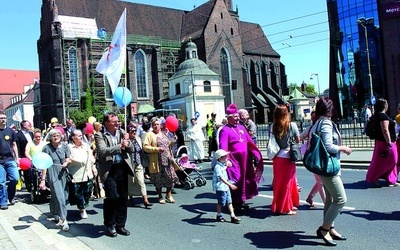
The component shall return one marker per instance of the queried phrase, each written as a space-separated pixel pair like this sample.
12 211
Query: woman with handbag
137 181
57 177
286 195
161 162
83 171
333 185
384 159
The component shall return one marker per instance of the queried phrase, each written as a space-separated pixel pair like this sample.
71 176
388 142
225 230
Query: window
141 76
207 86
259 74
222 16
224 59
178 89
231 31
73 74
215 28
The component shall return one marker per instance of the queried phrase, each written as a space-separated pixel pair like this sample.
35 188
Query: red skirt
286 195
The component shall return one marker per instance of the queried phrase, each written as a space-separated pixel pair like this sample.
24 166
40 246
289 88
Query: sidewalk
23 226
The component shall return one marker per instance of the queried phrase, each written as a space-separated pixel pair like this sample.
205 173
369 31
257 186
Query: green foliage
87 110
309 88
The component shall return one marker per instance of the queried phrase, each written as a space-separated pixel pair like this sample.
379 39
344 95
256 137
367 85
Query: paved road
370 220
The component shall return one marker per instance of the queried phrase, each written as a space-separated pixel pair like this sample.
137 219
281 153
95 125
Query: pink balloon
171 123
89 128
25 163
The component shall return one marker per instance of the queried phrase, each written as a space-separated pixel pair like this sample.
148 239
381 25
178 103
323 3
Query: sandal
170 199
291 213
310 201
161 200
220 218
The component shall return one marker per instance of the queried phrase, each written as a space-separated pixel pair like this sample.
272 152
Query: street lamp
311 78
361 22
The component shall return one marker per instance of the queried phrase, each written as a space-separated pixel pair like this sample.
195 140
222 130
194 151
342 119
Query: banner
112 63
17 116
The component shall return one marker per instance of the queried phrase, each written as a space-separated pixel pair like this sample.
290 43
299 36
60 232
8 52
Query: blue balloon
122 96
42 160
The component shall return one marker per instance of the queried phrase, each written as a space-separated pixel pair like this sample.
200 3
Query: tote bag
272 147
317 159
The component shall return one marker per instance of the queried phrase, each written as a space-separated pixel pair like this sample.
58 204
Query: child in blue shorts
221 185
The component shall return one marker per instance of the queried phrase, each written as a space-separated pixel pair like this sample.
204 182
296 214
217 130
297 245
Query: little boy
221 185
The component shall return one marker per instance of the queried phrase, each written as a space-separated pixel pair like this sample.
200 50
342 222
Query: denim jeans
8 172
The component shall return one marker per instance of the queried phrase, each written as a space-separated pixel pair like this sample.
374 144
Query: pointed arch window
225 62
141 75
74 90
259 75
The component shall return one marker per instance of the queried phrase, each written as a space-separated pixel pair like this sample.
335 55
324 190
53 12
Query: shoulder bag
295 147
317 159
272 146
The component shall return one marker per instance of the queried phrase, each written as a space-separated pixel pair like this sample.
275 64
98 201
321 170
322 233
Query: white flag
112 62
17 116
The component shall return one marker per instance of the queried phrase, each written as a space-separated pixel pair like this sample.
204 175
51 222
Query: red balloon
171 123
25 163
89 128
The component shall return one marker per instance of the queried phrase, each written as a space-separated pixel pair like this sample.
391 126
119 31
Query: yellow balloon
92 119
53 120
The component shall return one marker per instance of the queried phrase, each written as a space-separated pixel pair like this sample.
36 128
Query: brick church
74 34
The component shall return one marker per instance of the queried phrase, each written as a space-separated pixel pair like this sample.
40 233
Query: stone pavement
23 226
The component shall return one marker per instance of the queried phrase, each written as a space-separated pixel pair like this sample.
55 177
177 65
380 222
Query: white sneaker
84 214
65 226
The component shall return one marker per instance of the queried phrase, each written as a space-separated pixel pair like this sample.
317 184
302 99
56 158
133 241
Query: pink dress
237 141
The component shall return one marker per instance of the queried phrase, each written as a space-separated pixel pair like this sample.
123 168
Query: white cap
220 153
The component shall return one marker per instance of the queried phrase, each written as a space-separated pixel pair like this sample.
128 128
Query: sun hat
220 153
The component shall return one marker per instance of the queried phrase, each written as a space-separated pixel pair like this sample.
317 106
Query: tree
309 88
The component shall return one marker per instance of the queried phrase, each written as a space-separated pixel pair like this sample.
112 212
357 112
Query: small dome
191 45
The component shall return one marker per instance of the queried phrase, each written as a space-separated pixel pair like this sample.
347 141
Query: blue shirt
220 172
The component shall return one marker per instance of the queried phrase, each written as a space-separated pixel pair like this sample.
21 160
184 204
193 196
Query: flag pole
126 78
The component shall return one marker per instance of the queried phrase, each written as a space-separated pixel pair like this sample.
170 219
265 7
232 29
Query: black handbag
144 158
295 147
72 199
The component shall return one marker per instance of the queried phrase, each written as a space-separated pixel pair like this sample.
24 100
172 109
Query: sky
297 30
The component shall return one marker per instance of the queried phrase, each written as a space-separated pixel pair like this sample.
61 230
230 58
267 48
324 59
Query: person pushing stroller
221 186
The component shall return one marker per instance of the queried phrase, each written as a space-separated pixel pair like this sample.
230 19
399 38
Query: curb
23 226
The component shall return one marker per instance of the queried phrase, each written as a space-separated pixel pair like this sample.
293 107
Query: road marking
304 202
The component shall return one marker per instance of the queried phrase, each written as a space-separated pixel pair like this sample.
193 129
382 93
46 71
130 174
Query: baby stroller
185 170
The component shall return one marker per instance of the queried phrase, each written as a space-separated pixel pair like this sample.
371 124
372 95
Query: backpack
370 129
